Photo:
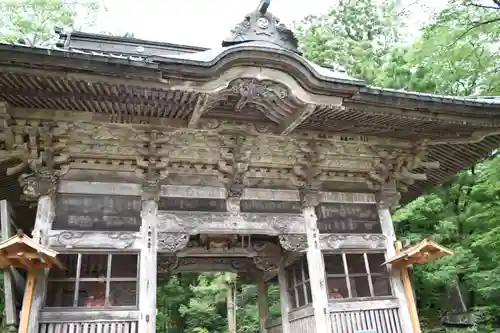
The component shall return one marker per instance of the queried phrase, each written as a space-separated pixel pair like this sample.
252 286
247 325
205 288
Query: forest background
456 53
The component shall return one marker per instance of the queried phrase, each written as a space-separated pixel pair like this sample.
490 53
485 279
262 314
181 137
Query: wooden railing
381 316
89 322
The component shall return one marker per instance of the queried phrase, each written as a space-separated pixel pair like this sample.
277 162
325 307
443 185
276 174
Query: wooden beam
263 303
395 275
284 300
98 188
199 192
8 280
27 301
215 222
412 307
148 268
202 104
316 267
290 123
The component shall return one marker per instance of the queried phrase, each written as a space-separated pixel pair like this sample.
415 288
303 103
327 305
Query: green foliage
33 21
197 303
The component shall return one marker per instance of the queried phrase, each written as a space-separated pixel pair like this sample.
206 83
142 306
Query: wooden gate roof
126 80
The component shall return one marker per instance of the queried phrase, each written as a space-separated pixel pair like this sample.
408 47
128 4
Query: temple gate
137 160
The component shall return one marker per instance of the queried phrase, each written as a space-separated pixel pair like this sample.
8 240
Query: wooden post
27 301
316 267
263 303
284 300
231 320
8 278
43 223
412 307
397 285
147 269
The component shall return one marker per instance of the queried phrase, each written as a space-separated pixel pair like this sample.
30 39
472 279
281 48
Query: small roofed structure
20 251
420 253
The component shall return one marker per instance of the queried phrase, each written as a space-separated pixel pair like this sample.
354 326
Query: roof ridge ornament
261 25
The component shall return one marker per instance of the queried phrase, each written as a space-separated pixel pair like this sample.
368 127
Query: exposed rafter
291 122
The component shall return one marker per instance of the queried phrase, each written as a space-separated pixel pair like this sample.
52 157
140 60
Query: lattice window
299 287
94 281
356 275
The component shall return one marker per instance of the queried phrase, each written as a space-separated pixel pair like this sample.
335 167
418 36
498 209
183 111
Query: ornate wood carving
151 161
235 155
294 242
308 166
38 184
169 264
246 223
257 91
394 167
102 212
352 241
93 239
171 241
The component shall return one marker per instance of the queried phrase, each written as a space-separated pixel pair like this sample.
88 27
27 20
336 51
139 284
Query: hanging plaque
192 204
346 218
268 206
97 212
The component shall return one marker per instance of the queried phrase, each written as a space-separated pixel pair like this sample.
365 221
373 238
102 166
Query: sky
206 22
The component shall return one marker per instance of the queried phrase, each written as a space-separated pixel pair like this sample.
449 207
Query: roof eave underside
452 157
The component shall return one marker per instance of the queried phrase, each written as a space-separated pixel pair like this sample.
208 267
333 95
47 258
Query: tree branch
475 26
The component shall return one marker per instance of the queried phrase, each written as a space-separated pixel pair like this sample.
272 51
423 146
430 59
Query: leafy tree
355 34
33 21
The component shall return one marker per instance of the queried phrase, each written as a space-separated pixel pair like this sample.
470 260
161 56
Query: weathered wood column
41 187
148 265
386 200
284 299
316 265
263 302
8 279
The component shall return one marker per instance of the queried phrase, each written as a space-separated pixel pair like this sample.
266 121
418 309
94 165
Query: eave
166 89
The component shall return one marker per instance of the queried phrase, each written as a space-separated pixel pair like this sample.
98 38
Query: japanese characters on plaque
263 206
97 212
348 218
192 204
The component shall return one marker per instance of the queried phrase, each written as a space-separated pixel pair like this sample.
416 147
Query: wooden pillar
147 268
263 303
384 203
284 299
315 262
412 306
43 223
8 280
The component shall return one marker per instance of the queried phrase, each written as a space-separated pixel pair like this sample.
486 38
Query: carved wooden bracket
171 241
307 170
235 155
294 242
152 164
268 256
41 183
394 167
